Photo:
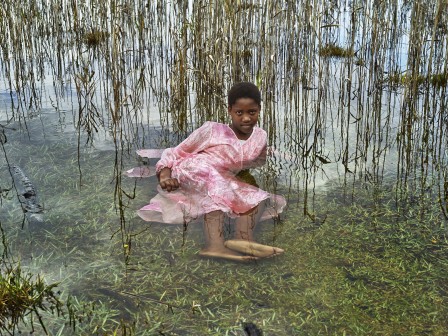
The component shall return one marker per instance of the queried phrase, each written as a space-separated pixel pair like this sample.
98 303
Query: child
199 177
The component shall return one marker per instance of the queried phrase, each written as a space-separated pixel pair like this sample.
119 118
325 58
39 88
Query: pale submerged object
144 171
150 153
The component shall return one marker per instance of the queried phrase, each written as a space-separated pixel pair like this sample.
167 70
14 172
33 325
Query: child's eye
239 112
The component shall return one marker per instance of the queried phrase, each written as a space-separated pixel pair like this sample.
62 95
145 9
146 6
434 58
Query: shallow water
360 158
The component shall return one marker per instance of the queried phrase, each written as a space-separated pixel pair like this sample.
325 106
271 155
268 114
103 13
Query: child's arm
166 181
196 142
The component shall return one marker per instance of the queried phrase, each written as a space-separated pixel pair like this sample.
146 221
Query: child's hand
166 181
169 184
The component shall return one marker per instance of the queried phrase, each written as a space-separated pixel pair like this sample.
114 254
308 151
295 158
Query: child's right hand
169 184
166 181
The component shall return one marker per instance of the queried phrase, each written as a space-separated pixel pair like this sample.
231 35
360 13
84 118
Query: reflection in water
86 84
328 116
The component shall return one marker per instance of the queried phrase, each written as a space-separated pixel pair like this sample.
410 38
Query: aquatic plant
95 37
332 50
23 298
437 80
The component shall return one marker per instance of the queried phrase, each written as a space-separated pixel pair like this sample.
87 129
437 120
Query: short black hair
243 90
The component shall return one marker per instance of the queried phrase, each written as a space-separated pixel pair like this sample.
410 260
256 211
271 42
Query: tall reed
380 105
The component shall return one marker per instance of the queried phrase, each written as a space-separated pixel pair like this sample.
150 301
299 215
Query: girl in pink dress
199 177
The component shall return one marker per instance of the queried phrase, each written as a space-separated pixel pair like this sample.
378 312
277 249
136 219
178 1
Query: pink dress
205 165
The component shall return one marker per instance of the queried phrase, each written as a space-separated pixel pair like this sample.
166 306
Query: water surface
358 149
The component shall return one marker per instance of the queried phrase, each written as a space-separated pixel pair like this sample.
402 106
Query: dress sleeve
195 143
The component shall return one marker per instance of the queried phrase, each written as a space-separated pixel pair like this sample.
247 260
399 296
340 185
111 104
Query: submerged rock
27 195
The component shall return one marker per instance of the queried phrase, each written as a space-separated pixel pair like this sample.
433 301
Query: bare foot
253 248
225 253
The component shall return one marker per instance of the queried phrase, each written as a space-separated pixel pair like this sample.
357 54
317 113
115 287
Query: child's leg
214 229
214 239
244 235
245 224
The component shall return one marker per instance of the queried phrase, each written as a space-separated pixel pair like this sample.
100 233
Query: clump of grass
332 50
437 80
95 37
22 294
247 6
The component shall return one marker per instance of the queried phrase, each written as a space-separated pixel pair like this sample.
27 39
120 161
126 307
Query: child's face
244 114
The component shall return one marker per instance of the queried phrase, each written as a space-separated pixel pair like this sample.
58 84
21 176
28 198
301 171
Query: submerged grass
384 277
359 272
368 263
